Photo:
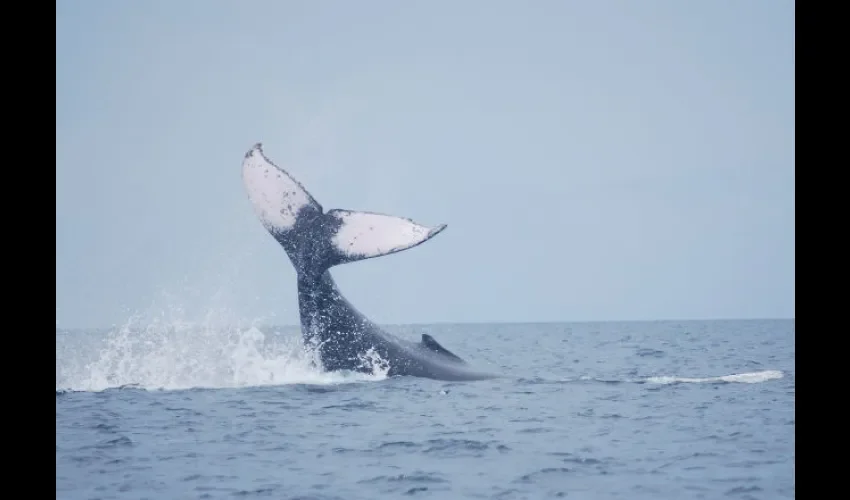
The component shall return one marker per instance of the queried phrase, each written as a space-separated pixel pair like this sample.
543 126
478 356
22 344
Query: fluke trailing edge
315 241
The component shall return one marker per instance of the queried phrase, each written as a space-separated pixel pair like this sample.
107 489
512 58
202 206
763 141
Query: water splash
169 353
373 363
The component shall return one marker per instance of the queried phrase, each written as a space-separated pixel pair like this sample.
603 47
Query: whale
315 241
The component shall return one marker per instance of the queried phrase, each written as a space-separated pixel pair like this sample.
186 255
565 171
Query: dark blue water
642 410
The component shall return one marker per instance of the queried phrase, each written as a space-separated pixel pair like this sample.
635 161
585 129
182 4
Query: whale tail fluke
313 239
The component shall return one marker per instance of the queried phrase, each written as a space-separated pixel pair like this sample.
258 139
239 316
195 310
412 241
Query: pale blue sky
594 160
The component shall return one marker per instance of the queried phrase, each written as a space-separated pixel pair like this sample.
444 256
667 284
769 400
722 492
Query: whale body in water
316 240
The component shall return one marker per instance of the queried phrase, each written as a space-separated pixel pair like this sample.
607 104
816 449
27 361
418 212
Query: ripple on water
409 484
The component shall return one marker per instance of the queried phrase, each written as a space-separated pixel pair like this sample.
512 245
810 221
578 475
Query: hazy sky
594 160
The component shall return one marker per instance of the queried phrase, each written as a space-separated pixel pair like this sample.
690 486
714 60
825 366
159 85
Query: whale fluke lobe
278 198
315 241
363 235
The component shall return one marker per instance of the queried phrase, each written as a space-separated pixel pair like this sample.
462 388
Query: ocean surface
631 410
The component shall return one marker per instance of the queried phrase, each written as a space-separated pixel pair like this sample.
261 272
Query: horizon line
514 322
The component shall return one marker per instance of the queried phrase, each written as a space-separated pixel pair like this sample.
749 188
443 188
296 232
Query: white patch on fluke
365 234
276 196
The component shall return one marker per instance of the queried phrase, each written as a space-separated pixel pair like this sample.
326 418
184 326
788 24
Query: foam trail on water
741 378
744 378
